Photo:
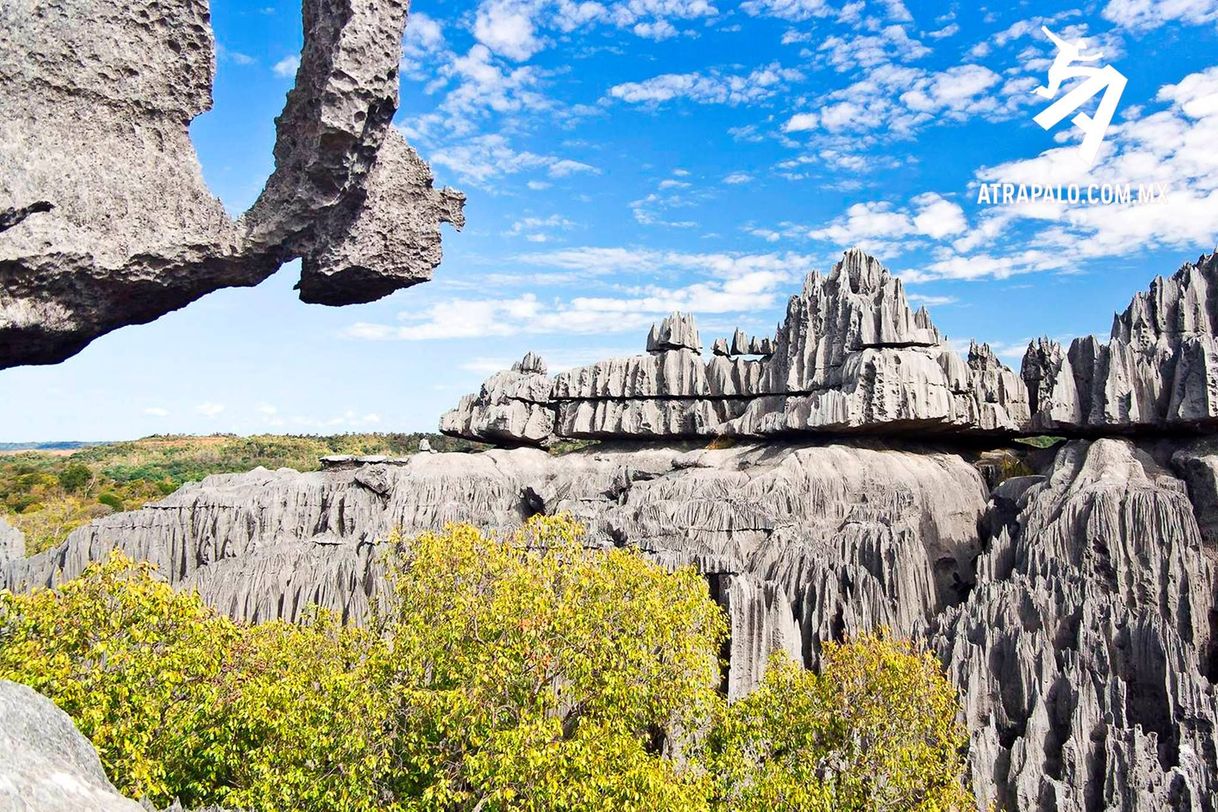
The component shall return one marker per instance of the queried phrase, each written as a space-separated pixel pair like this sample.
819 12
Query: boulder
12 542
48 765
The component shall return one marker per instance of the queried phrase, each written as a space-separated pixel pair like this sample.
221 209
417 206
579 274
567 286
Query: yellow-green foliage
539 673
876 730
525 673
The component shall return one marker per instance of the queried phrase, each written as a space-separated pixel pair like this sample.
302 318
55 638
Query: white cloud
726 283
1176 146
287 66
538 229
737 178
422 45
792 10
891 44
483 158
1144 15
877 225
156 411
929 300
713 87
800 122
209 409
659 30
897 101
506 27
897 11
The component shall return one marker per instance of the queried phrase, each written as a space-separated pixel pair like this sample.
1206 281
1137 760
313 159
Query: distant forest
50 489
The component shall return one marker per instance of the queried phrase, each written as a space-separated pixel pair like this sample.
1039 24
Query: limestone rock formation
132 232
12 542
47 764
1158 369
1074 608
809 542
1084 653
849 356
512 408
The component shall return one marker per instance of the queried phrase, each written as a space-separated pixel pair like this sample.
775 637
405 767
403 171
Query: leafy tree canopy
495 674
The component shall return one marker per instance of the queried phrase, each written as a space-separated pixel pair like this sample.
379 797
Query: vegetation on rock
46 495
496 674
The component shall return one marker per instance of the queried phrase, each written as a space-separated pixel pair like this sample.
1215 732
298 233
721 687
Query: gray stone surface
1158 369
46 765
1073 608
850 356
1083 653
132 232
812 529
12 542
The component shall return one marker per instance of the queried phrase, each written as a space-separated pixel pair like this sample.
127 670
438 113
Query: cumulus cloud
1176 146
1144 15
286 67
725 283
538 229
209 409
484 158
877 225
791 10
713 87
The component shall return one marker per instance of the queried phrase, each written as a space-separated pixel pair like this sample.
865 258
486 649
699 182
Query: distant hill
58 445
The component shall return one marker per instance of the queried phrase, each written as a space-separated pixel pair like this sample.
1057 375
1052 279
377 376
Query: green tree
876 730
75 477
521 673
132 662
541 675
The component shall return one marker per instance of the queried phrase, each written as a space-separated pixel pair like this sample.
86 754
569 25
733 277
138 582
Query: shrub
876 730
522 673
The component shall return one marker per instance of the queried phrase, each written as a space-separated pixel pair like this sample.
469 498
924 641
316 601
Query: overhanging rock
105 219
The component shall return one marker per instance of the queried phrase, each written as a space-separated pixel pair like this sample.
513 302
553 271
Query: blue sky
625 159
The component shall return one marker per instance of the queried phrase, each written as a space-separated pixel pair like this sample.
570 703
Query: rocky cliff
132 232
1070 593
1158 369
851 356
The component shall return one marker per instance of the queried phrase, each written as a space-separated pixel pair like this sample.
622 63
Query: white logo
1107 79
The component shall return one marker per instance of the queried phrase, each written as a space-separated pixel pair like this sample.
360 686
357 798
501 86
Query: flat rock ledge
852 357
132 232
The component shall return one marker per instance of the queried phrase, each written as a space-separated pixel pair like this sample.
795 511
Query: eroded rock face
48 765
132 232
1083 653
851 355
1158 370
1074 608
807 542
12 542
